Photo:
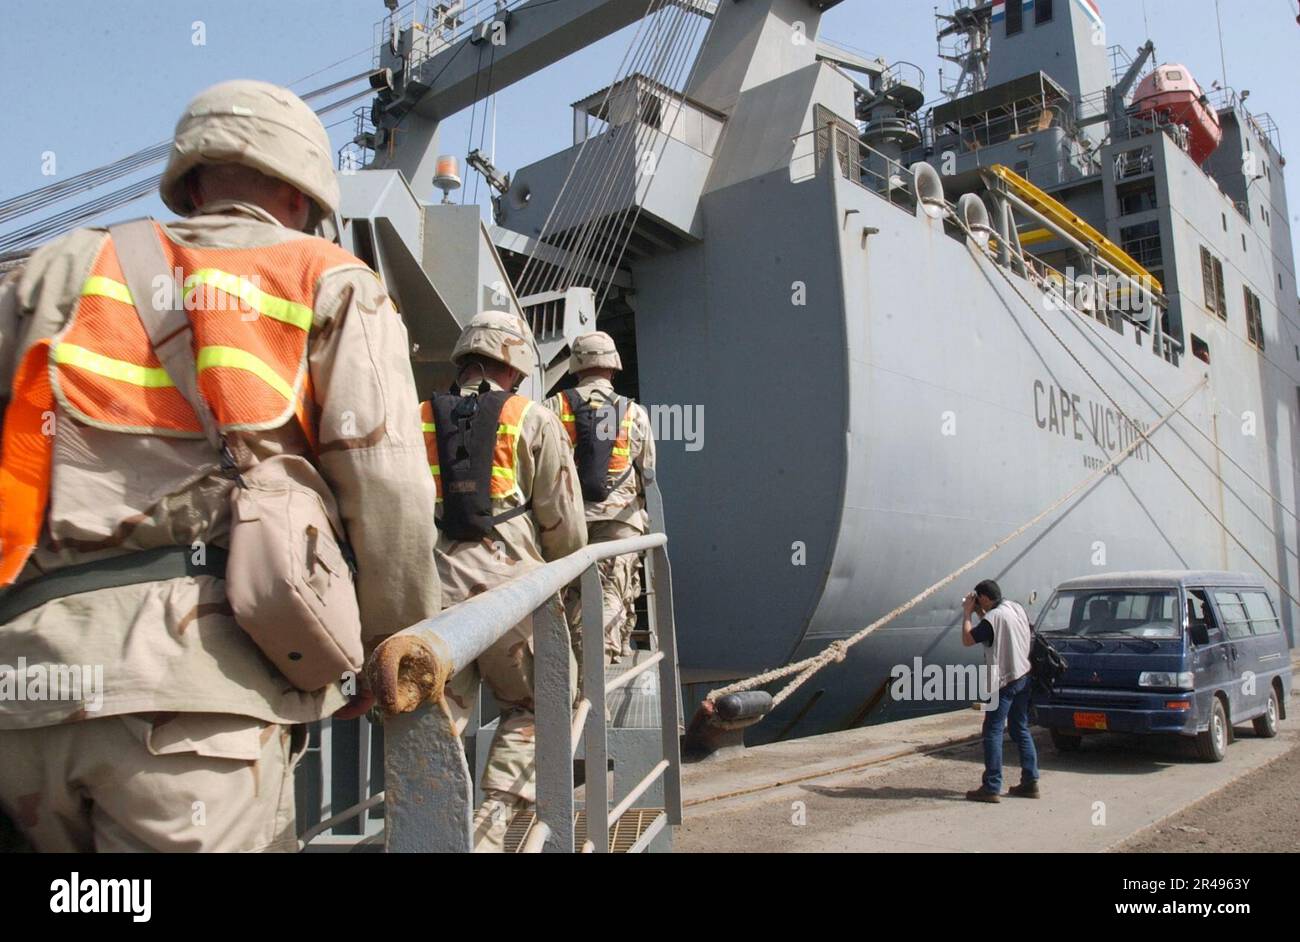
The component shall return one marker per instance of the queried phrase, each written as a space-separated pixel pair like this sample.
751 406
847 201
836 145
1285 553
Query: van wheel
1212 744
1064 742
1266 725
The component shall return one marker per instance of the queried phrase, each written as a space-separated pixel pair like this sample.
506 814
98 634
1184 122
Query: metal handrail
858 161
429 790
903 72
628 676
466 630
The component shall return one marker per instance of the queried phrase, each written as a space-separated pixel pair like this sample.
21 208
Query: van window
1259 609
1233 611
1138 613
1199 614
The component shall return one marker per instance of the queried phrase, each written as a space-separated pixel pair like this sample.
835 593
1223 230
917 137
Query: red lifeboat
1171 94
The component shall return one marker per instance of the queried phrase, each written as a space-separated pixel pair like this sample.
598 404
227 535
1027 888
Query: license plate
1090 721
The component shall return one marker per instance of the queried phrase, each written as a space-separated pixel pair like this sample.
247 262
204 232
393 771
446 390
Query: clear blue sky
93 80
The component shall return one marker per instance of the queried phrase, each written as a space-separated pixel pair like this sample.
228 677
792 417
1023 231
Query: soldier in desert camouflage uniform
622 512
537 512
191 743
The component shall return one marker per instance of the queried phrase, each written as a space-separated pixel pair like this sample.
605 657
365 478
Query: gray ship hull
860 446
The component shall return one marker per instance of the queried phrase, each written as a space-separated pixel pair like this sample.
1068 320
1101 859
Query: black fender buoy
721 723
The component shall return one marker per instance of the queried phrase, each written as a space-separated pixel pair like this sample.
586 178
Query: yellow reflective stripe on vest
280 309
428 427
97 286
151 377
508 474
234 358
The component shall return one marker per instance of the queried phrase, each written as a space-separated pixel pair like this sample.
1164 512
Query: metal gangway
407 784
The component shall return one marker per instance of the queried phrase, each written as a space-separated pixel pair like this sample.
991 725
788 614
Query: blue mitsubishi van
1190 653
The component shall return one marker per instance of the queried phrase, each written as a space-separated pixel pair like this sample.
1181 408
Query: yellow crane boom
1060 215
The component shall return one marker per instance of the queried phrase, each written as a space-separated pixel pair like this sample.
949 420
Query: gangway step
630 834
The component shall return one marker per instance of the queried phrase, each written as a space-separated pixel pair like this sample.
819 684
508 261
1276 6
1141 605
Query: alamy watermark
1106 291
669 422
209 291
72 683
79 894
943 683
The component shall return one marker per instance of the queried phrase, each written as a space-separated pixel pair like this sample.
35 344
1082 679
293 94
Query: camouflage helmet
258 125
500 336
594 350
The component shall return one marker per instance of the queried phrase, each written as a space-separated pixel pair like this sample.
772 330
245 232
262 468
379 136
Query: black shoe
1025 790
983 794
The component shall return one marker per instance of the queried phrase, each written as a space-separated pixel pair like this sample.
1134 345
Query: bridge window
1042 12
1137 198
1200 349
1015 16
1216 301
1254 319
1143 243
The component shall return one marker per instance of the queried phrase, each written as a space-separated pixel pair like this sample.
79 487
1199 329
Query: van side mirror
1200 634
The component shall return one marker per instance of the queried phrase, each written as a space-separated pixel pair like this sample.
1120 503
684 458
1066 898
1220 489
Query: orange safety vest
621 456
505 456
250 311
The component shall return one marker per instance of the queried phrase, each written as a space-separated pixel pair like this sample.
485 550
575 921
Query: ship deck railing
1265 128
425 789
993 128
1114 304
859 163
1110 304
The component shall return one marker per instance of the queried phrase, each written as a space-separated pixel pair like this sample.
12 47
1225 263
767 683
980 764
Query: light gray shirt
1007 658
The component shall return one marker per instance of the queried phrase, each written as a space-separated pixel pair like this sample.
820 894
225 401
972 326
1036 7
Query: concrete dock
901 787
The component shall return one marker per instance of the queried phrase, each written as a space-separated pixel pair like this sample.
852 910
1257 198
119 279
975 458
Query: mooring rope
836 651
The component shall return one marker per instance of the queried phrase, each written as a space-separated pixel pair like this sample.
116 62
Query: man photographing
1004 633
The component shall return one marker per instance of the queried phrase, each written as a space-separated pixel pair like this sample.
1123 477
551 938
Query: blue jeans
1013 702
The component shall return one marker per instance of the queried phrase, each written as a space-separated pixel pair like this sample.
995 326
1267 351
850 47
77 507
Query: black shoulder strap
575 400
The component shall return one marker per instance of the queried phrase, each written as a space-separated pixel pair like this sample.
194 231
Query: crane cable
37 199
612 232
1213 444
602 231
970 241
532 275
662 135
34 233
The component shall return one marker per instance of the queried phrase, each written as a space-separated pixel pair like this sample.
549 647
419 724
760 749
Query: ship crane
1116 110
561 266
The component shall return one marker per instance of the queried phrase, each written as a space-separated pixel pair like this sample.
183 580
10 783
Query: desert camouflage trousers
620 586
153 782
509 781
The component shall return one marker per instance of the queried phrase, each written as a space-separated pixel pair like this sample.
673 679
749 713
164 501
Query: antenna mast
963 36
